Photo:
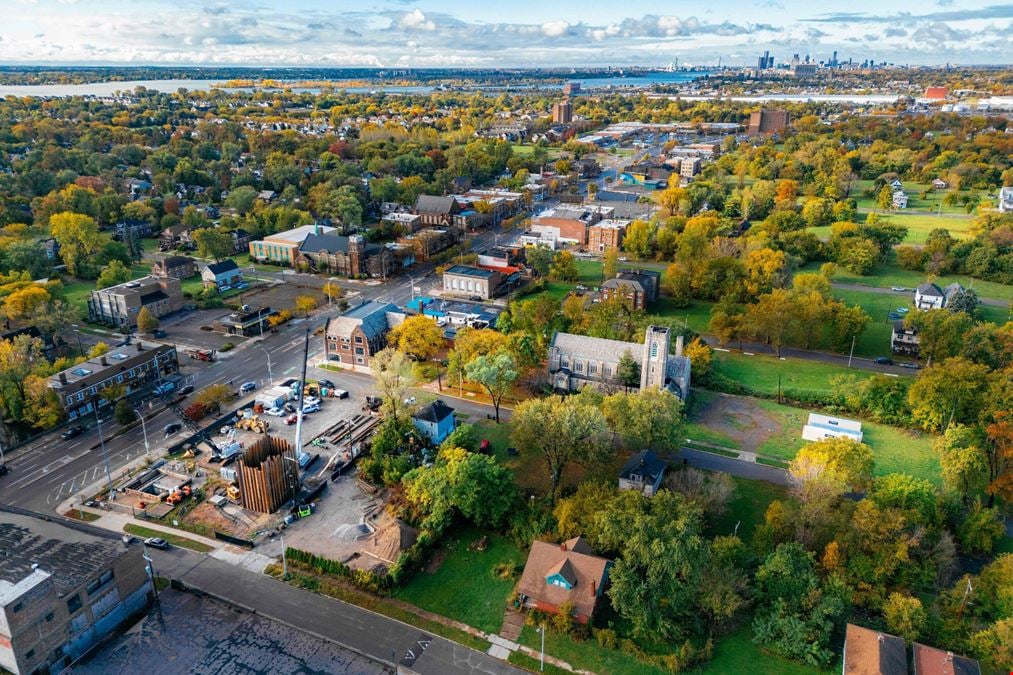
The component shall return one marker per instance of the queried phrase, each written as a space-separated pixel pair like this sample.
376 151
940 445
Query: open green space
465 586
760 373
736 653
895 450
747 507
933 203
173 539
918 225
587 655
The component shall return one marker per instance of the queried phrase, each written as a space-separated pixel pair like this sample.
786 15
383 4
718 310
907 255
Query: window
17 607
360 350
70 400
564 362
358 339
80 396
654 350
30 653
592 369
119 378
578 367
49 617
606 371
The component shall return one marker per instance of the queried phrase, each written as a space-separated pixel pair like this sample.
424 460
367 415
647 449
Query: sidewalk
114 521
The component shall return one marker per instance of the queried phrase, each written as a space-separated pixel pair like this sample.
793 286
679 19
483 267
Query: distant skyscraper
562 112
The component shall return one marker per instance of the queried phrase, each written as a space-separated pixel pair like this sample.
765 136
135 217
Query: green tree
940 332
953 390
563 431
392 372
114 273
539 259
847 322
963 459
610 264
213 243
475 485
652 417
904 616
146 321
823 471
628 371
242 199
564 267
417 336
496 373
124 413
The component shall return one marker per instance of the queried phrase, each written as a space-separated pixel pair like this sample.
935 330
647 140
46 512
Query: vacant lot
763 373
918 225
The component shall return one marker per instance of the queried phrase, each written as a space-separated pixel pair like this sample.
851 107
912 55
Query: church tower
356 263
655 362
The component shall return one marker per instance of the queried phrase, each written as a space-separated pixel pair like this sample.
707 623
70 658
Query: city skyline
446 33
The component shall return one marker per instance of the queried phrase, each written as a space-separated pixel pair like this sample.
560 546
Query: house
282 248
642 472
639 288
822 426
576 361
472 282
904 340
896 184
586 168
931 661
64 588
222 275
869 652
174 266
434 210
352 256
267 196
138 187
929 296
1006 200
51 247
940 184
137 368
556 574
435 421
899 200
175 236
119 305
353 337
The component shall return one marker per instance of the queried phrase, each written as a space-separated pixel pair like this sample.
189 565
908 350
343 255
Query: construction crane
168 398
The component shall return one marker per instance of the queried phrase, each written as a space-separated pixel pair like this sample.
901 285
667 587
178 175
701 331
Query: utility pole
852 350
284 559
299 412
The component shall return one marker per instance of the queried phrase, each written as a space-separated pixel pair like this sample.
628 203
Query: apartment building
569 224
606 235
63 589
119 305
137 367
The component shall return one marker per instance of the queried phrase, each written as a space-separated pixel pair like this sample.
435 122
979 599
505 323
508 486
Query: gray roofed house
640 288
436 421
929 296
642 472
355 336
222 273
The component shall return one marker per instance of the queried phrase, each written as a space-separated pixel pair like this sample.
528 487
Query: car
290 407
893 316
171 428
339 393
884 360
247 387
311 408
912 366
156 542
899 289
225 430
158 333
242 284
224 289
72 432
188 389
623 259
292 419
475 298
410 400
902 310
275 412
326 383
4 470
311 400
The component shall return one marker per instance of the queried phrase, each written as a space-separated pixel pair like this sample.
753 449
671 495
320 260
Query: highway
51 470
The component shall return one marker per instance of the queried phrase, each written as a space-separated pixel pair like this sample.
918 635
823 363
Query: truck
164 388
201 354
229 450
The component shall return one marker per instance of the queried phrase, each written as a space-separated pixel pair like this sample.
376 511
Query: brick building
119 305
606 235
353 337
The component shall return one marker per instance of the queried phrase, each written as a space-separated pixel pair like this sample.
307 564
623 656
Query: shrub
606 637
228 346
505 570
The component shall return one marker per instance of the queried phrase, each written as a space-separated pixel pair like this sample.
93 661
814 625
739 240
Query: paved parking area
184 329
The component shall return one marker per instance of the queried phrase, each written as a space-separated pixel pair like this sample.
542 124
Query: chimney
104 361
678 345
140 346
594 587
562 546
63 378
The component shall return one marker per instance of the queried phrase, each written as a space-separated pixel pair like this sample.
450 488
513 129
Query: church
576 361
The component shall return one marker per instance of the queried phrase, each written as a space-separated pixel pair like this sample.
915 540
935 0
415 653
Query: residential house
267 196
132 228
176 236
931 661
435 421
137 367
940 184
895 184
137 187
355 336
240 240
51 247
643 472
174 266
472 282
900 200
929 296
606 235
282 248
1005 200
904 340
820 427
639 288
872 652
557 574
220 275
577 361
64 588
119 305
434 210
352 256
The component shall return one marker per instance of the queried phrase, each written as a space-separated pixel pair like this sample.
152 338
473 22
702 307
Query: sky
490 33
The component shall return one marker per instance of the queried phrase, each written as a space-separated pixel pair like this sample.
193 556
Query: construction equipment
254 424
200 434
232 492
201 354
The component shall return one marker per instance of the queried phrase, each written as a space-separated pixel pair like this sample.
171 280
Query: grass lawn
918 225
915 203
761 372
889 275
894 450
696 316
747 507
76 294
173 539
465 587
737 654
587 655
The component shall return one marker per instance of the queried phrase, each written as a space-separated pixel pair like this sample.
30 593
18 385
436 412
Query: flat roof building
822 426
470 281
119 305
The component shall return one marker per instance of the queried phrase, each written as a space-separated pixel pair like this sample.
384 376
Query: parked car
225 288
326 383
171 428
247 387
292 419
899 289
893 316
158 333
156 542
242 284
310 408
72 432
276 412
902 310
912 366
188 389
884 360
340 393
311 400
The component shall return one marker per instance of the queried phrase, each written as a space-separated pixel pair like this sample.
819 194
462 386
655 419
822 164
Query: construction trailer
267 475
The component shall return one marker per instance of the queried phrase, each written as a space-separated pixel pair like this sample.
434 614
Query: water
170 86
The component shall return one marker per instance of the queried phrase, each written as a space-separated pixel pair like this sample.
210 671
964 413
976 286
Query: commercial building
402 221
283 248
823 426
569 223
471 282
352 256
767 122
137 367
247 321
355 336
429 241
63 589
576 361
690 166
562 112
119 305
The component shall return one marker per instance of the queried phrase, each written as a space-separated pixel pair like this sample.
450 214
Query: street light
105 452
144 429
150 567
269 373
77 332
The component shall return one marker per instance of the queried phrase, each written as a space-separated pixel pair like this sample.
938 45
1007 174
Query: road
881 290
372 635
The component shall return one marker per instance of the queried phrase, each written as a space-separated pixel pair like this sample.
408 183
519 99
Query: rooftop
869 652
434 412
72 554
115 358
132 286
299 234
467 271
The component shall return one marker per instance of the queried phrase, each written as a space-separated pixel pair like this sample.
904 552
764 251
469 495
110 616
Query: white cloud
555 28
416 20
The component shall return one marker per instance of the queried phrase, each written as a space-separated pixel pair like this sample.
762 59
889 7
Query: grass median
173 539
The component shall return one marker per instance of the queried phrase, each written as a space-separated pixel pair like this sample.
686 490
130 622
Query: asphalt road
735 467
364 632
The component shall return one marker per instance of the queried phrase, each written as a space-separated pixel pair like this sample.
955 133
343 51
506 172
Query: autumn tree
823 471
999 448
563 431
18 358
639 238
772 317
610 263
964 461
953 390
392 373
496 373
212 243
79 238
112 274
305 304
940 332
25 303
564 267
904 616
332 291
418 336
214 396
